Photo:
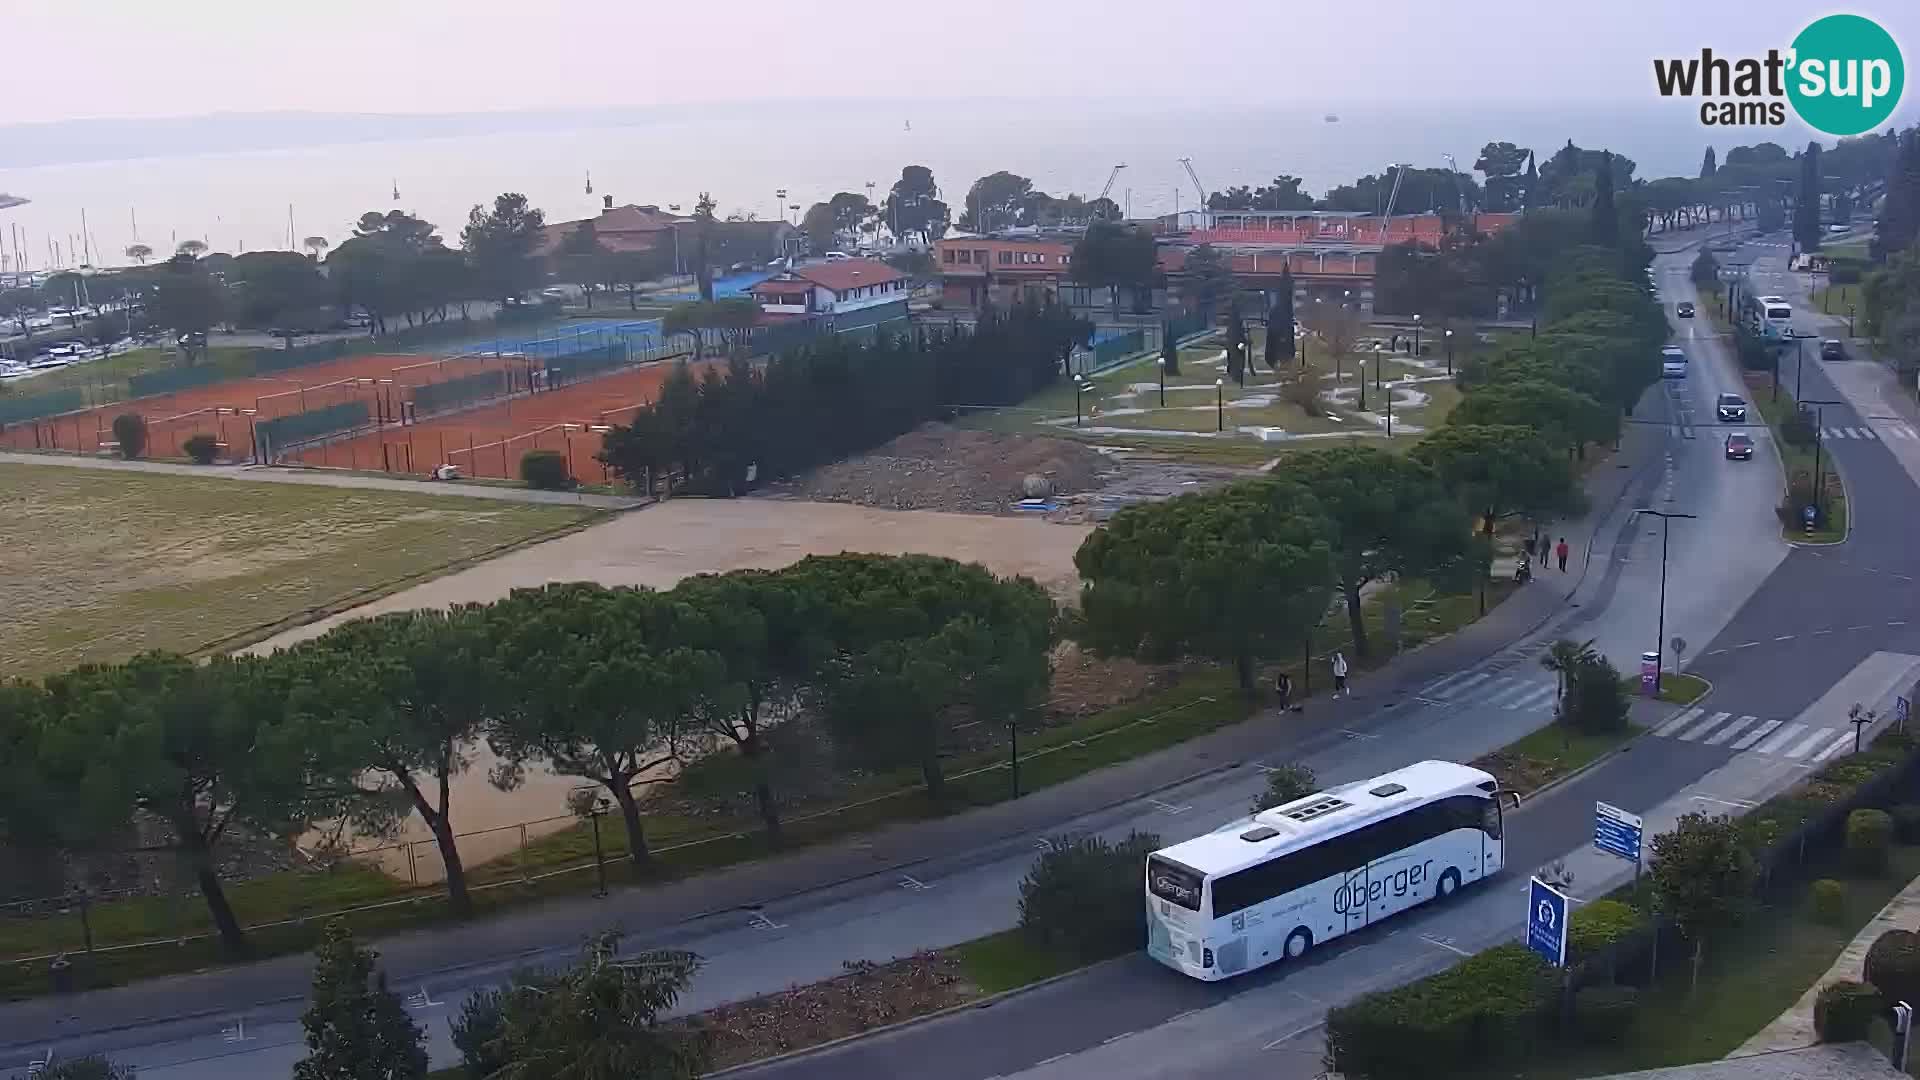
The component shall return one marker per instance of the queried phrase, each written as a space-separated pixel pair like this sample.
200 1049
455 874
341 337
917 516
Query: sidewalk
652 914
321 478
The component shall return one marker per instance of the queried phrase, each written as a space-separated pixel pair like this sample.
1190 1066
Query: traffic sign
1547 922
1901 708
1617 832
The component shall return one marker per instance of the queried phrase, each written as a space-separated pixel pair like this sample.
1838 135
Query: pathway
363 481
1794 1028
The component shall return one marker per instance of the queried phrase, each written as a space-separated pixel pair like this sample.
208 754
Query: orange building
1005 268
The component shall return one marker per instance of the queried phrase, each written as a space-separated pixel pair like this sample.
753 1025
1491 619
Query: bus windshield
1173 882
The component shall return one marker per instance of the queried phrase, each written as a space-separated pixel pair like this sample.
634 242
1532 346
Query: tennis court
489 441
228 410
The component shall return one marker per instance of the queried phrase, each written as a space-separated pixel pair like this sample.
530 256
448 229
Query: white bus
1773 317
1276 884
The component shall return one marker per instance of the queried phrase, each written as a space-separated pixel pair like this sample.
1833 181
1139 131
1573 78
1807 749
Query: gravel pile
940 467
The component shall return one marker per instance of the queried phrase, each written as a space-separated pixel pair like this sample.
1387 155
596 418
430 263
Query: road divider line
1294 1034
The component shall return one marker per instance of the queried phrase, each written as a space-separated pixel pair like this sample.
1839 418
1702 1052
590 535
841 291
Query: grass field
105 380
100 565
1800 459
1835 299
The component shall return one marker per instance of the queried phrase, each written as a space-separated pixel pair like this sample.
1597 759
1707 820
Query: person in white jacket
1340 675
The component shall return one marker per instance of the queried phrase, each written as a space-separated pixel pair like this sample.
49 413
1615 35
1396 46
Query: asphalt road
1714 564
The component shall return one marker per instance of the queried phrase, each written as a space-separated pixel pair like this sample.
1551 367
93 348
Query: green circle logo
1846 75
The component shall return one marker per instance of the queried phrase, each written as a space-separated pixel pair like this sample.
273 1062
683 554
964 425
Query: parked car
1739 446
554 292
1731 408
1684 309
1832 349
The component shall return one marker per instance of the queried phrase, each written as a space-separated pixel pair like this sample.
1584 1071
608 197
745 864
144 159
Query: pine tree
1900 212
1605 227
1532 198
1169 350
1707 165
1236 346
356 1031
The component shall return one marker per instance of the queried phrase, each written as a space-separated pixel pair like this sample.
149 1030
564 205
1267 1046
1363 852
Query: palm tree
139 253
1563 658
315 245
193 249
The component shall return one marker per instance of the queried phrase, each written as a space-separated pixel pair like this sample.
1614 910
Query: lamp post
1849 320
1387 401
780 203
1360 378
1799 355
1161 369
595 808
1219 404
1449 351
1416 334
1819 438
1080 386
1660 643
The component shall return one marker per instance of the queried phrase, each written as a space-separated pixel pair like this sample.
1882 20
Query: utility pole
1660 642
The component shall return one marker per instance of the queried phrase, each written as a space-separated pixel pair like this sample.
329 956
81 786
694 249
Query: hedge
1595 926
1845 1011
1489 1007
1893 965
1906 822
545 469
1869 835
1778 817
1602 1014
1829 900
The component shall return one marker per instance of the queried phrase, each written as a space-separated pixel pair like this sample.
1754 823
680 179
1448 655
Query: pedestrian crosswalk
1490 690
1804 743
1885 431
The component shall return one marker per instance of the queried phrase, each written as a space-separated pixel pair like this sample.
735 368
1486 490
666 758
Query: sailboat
396 190
589 181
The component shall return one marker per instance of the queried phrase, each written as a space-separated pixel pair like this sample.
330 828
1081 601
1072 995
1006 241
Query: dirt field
660 545
489 441
228 410
99 565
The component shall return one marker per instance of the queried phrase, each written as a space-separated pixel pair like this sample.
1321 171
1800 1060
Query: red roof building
831 288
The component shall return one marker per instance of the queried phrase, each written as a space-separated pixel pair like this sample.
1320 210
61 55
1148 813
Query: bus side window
1490 817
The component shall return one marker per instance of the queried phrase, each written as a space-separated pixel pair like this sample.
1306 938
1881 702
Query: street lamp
1660 643
1219 404
592 805
1080 386
779 203
1416 334
1849 320
1449 351
1388 402
1819 484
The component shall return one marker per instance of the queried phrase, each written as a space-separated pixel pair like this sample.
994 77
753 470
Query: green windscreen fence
571 368
1185 326
456 393
267 361
283 432
34 406
1114 348
172 380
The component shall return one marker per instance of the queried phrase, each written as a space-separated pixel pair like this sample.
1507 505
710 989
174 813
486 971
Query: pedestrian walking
1283 689
1528 545
1560 552
1340 675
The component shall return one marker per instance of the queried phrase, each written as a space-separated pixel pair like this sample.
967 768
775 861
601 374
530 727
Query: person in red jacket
1560 552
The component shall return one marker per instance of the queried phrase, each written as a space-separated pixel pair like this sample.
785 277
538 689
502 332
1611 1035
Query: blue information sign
1617 832
1547 922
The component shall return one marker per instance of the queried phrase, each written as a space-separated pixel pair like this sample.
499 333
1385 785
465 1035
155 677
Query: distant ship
1333 118
7 200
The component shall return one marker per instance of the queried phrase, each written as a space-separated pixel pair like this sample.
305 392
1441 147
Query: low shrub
545 469
130 431
1081 899
1845 1010
1893 965
1906 822
482 1019
1593 927
1869 836
1490 1007
90 1067
202 448
1602 1014
1303 392
1596 701
1829 900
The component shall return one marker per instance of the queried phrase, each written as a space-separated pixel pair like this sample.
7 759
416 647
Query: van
1673 363
837 256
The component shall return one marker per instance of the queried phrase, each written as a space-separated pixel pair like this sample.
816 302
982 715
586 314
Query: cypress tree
356 1031
1806 202
1283 316
1605 227
1707 165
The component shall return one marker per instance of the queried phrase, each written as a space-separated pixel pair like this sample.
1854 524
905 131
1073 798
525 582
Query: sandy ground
657 547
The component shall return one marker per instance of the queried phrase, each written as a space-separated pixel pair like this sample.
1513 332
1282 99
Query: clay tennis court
228 410
489 442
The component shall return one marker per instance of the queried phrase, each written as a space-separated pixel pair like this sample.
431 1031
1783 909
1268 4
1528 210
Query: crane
1198 188
1111 177
1399 174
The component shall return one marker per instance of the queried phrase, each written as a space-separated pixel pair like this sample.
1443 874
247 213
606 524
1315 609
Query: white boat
47 362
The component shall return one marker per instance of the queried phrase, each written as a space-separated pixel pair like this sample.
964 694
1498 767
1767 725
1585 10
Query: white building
832 288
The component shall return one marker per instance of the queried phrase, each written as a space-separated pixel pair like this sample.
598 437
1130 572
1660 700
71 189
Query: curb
981 1003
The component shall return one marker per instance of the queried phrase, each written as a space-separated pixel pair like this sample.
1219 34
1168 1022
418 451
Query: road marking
761 922
1774 744
1508 696
1169 808
1454 682
1833 433
1294 1034
1861 627
1756 735
1784 637
1730 731
1896 622
1845 741
1864 433
1352 734
1180 1016
1111 1039
1054 1058
1702 727
1685 717
1532 700
1716 652
1800 749
236 1033
1744 804
423 999
1828 630
914 884
1746 645
1447 945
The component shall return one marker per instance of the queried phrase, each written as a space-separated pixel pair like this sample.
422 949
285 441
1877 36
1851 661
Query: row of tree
369 723
835 396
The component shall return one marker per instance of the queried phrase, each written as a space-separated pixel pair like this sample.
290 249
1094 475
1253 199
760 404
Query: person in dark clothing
1283 688
1560 552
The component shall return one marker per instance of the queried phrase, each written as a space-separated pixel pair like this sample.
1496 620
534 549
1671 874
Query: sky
141 58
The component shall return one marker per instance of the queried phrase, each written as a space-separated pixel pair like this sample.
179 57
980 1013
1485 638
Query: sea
282 188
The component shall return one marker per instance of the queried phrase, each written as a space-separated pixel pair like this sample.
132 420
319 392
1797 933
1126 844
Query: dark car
1739 446
1684 309
1832 349
1731 408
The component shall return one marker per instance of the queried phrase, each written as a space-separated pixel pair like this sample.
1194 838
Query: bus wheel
1299 942
1449 884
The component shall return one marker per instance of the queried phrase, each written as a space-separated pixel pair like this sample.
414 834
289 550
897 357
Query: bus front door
1355 900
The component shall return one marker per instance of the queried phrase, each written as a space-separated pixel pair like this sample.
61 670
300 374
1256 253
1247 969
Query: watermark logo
1842 75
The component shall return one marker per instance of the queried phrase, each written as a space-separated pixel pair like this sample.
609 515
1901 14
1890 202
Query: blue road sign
1901 707
1617 832
1547 922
